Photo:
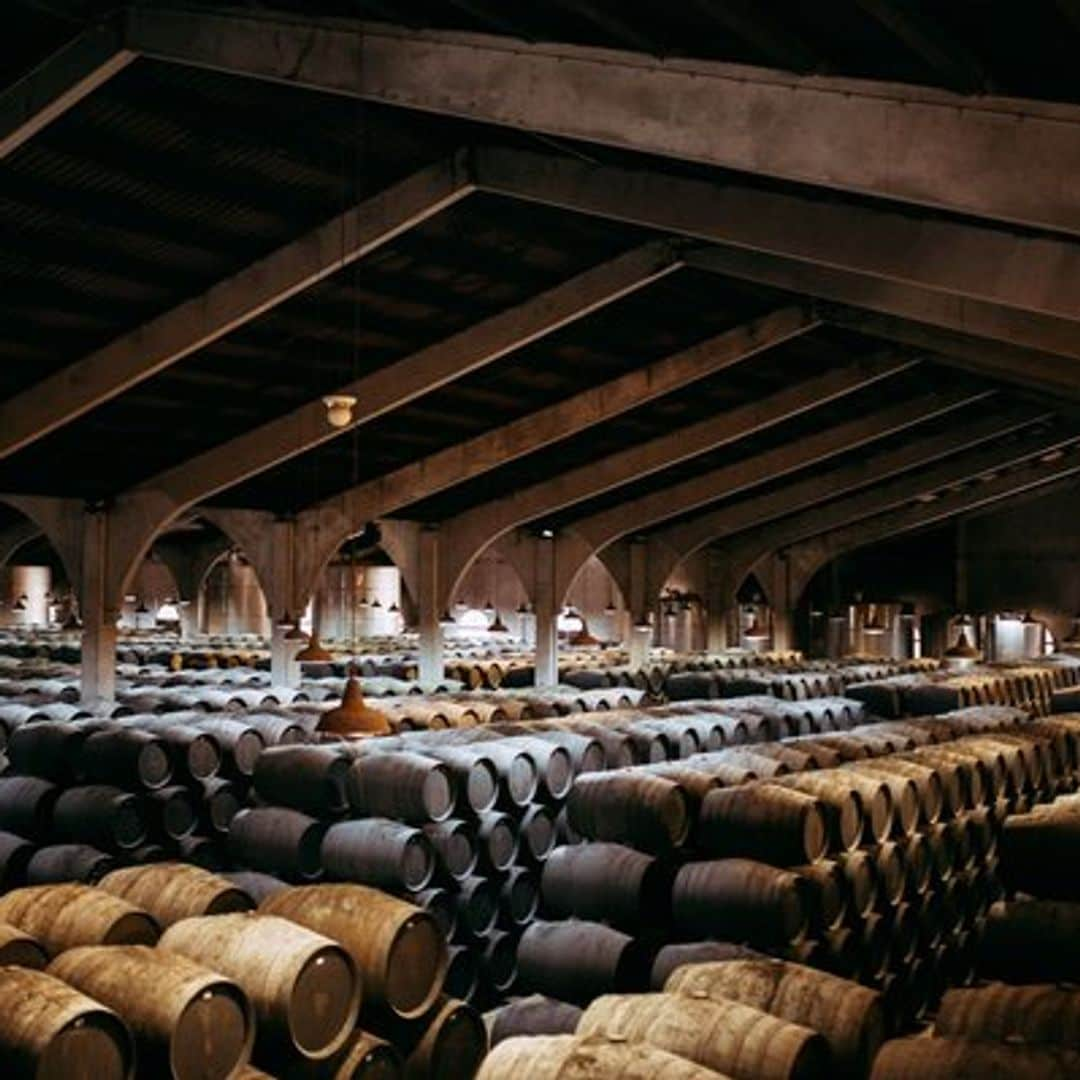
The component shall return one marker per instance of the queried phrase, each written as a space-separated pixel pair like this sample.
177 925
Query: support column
99 615
546 605
640 644
641 633
431 641
284 670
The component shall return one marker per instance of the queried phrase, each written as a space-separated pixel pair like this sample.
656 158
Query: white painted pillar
33 583
99 615
431 642
640 644
284 670
546 605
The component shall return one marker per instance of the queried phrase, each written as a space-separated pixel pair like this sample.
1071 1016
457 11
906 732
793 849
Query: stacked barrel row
870 854
83 796
172 971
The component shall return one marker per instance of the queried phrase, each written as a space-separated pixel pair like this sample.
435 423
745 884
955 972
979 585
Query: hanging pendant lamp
313 652
353 716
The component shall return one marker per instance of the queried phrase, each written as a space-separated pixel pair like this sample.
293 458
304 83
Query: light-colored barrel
728 1036
189 1023
50 1031
396 947
303 986
175 891
957 1059
64 917
574 1057
849 1016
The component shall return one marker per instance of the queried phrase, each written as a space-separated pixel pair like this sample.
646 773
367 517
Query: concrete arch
59 520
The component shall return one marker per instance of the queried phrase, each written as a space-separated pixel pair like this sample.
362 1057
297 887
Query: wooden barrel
477 905
441 905
454 844
958 1059
519 897
255 885
188 1021
378 852
64 917
18 949
483 777
103 816
49 1031
175 891
363 1057
26 806
498 961
839 785
671 957
537 835
60 863
533 1015
15 855
1030 941
195 754
762 821
395 946
462 972
729 1037
827 890
568 1057
126 757
202 851
219 802
447 1044
609 883
849 1017
171 812
554 767
303 986
643 811
311 779
497 841
751 901
240 744
46 749
403 786
577 961
1038 854
1031 1014
277 841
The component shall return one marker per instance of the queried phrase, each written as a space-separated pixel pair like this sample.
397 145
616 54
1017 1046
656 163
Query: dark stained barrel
533 1015
195 754
498 961
189 1022
49 1031
378 852
171 812
19 949
860 871
497 841
462 972
174 891
827 891
202 851
537 835
441 905
678 955
48 749
519 897
957 1059
578 961
642 811
607 882
454 844
1002 1013
396 946
103 816
15 855
477 904
731 1037
277 841
403 786
742 900
311 779
448 1044
240 744
60 863
302 985
126 757
476 777
63 917
257 886
26 806
363 1057
762 821
220 801
1028 941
